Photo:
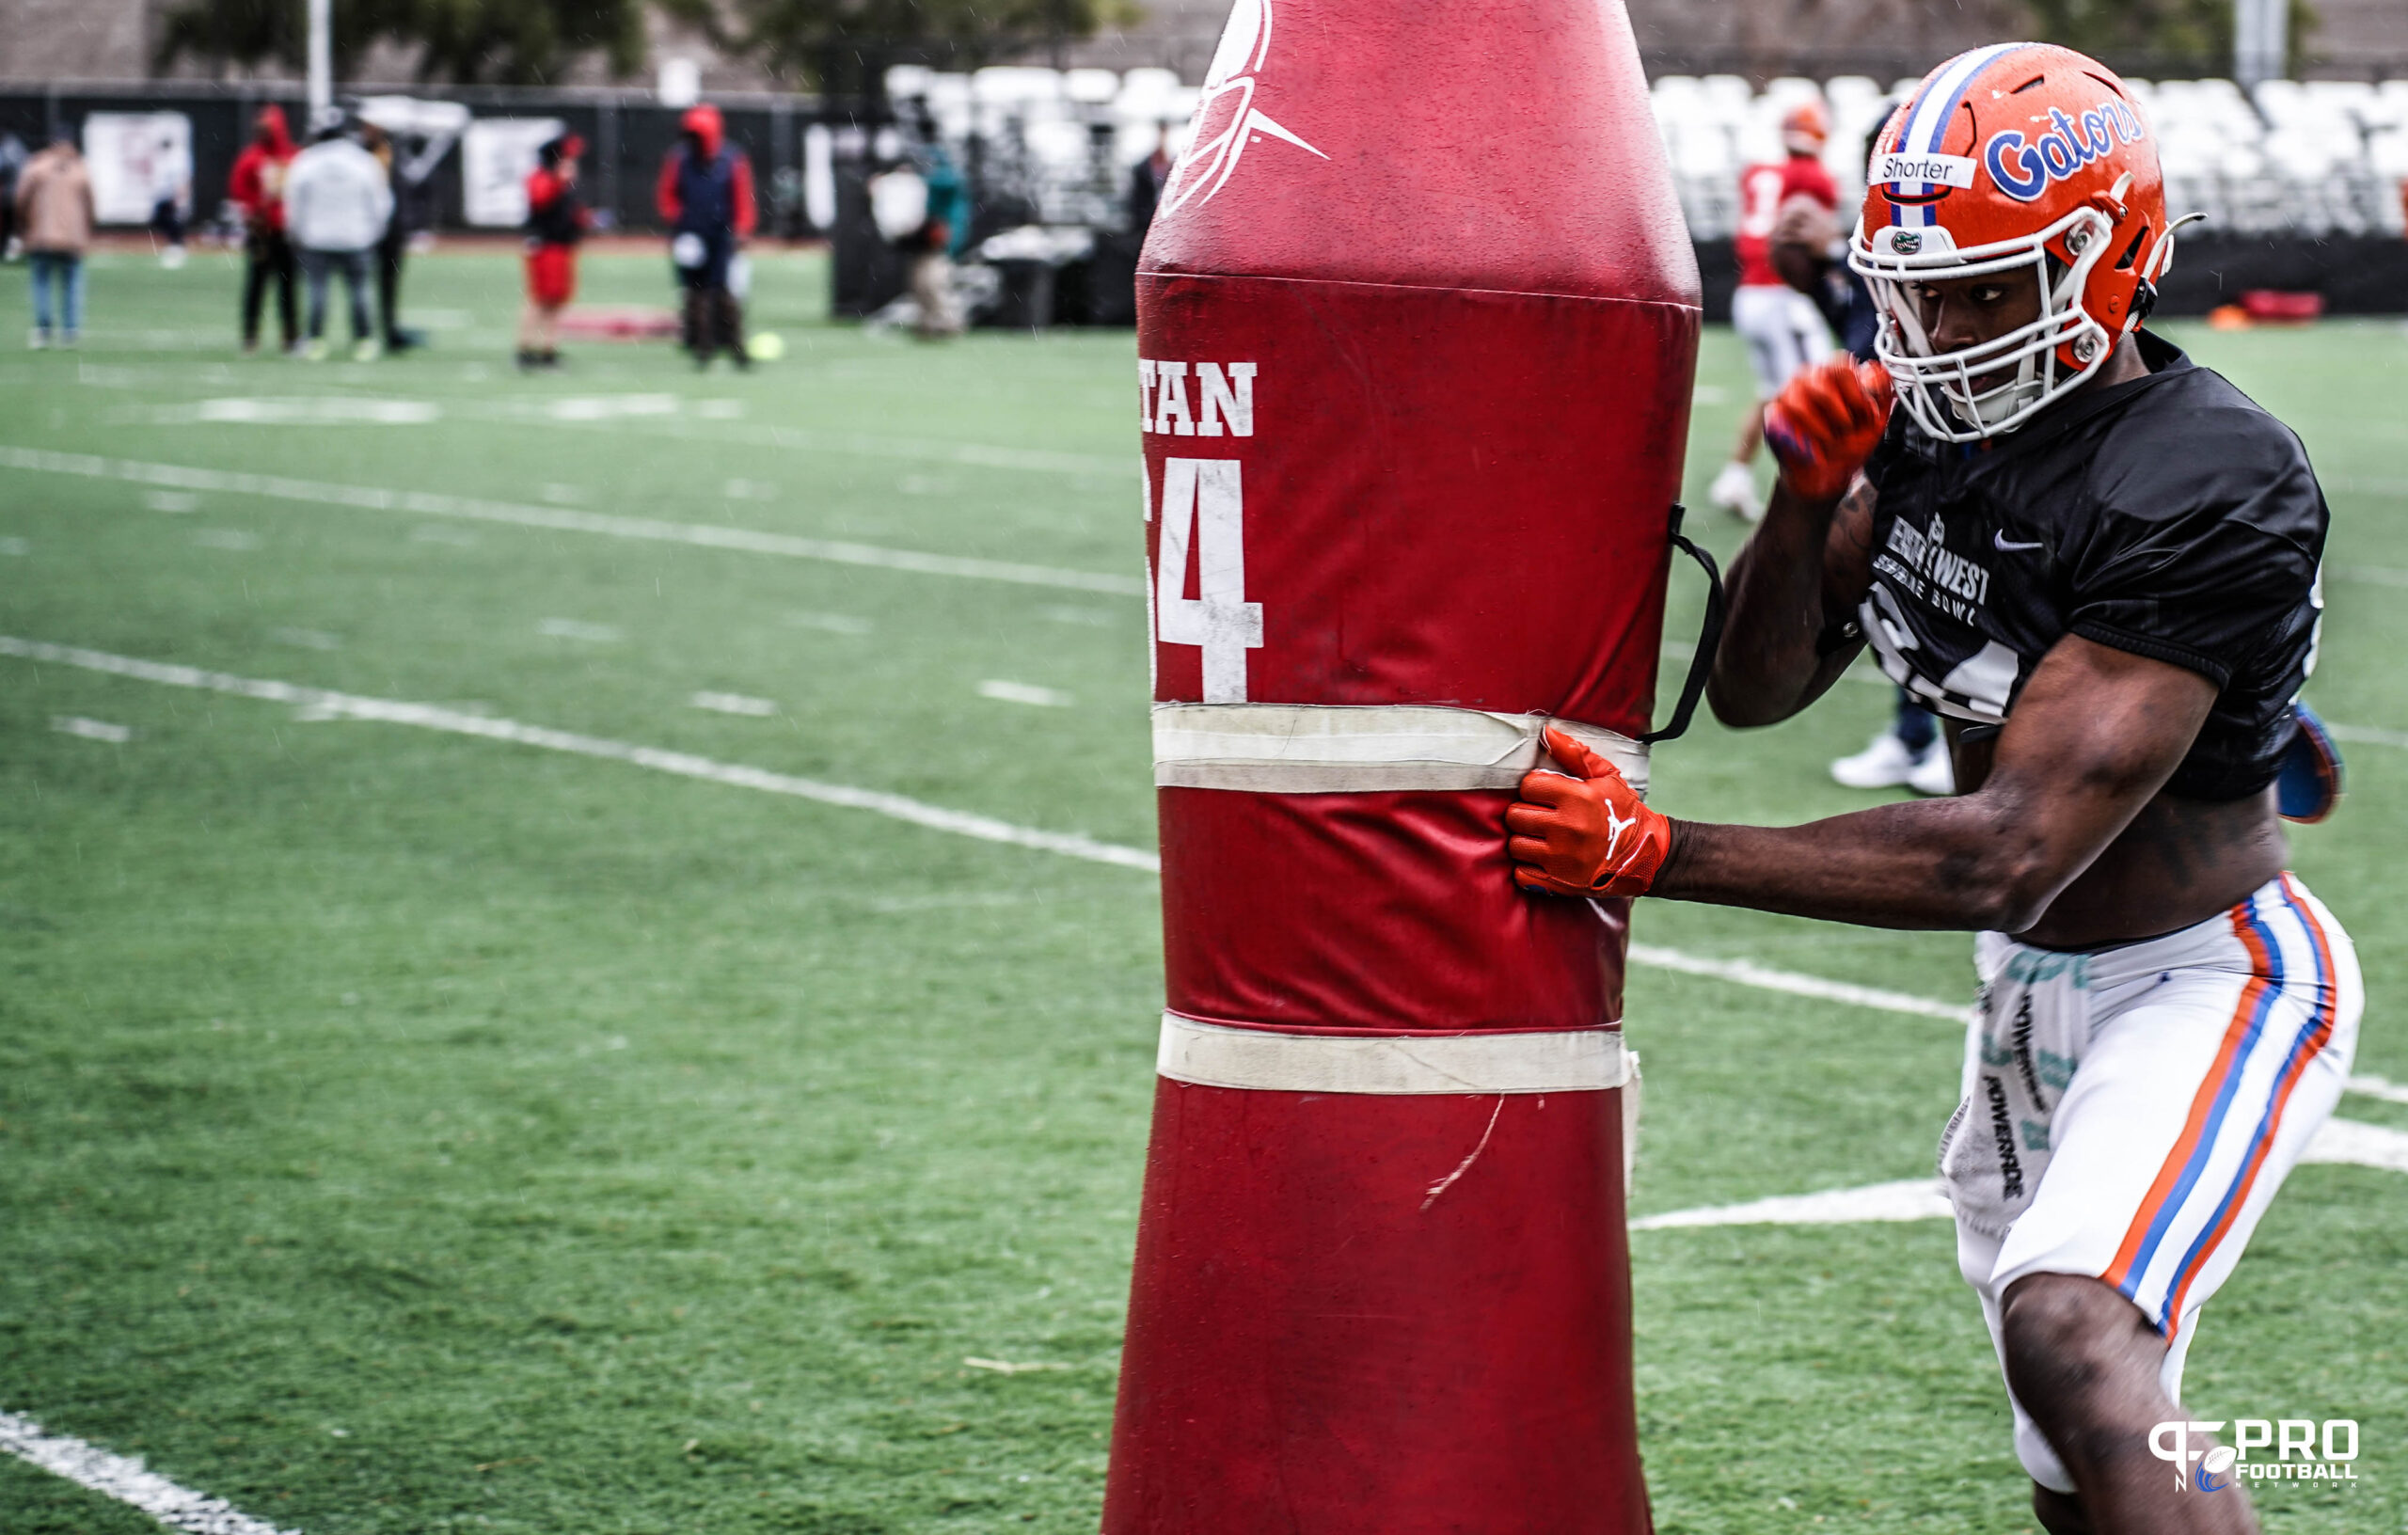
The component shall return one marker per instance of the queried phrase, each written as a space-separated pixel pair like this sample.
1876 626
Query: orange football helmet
1805 127
2016 155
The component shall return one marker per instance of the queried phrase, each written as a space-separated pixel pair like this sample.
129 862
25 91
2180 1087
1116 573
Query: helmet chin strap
1995 405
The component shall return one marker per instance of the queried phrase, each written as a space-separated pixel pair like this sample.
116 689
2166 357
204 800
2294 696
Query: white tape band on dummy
1338 749
1271 1060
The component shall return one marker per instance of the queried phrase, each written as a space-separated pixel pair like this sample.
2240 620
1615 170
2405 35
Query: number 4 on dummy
1204 510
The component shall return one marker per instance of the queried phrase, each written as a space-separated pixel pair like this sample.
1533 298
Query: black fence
626 132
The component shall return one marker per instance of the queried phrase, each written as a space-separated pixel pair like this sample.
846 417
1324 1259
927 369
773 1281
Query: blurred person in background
1145 181
12 163
938 241
257 186
1779 325
556 221
704 195
170 198
395 243
336 205
54 204
1810 256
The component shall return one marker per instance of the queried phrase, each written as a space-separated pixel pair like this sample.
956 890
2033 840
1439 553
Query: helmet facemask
1994 386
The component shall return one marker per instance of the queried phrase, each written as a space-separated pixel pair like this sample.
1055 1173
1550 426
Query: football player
2100 563
705 195
1782 327
557 220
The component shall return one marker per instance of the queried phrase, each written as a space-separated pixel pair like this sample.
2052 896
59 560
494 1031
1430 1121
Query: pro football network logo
2209 1467
1227 119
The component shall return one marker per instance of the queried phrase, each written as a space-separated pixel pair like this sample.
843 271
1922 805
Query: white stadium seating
2310 157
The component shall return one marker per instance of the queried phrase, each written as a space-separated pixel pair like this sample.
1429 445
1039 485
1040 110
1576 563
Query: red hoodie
704 124
258 180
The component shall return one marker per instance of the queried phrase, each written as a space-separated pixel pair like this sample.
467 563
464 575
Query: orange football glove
1825 423
1588 835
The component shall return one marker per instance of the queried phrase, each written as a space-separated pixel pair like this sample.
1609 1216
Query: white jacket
335 197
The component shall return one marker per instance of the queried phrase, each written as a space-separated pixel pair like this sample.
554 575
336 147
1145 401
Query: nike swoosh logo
1999 542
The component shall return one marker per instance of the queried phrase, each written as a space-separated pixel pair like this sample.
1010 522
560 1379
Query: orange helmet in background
2018 155
1805 128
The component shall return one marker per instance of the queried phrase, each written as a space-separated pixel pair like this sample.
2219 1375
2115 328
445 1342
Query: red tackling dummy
1418 323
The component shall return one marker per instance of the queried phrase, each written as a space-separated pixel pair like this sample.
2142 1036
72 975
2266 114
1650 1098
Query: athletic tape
1340 748
1276 1061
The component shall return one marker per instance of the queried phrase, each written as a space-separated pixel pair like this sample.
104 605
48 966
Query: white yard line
422 503
1744 972
323 703
2367 486
832 622
1908 1200
2391 1092
2360 1145
2340 1142
743 704
982 455
2367 735
578 628
124 1478
1024 692
91 730
1764 978
2372 575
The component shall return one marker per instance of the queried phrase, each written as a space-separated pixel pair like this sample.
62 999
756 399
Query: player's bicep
1847 575
2096 733
1847 553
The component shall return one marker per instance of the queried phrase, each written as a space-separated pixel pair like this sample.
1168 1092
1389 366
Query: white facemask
1994 387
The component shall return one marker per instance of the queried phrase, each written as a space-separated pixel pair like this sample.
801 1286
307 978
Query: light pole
320 57
2260 34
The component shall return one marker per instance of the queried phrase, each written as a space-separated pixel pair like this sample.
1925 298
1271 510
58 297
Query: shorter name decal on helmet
2024 167
1929 170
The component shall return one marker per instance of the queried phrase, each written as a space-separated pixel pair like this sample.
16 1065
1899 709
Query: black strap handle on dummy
1709 637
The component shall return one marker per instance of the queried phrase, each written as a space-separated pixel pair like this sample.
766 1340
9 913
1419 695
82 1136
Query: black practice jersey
2167 515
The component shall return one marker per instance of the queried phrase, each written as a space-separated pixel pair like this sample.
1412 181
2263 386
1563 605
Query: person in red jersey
556 221
256 185
2101 564
1783 330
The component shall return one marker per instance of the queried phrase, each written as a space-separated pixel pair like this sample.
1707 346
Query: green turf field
402 1130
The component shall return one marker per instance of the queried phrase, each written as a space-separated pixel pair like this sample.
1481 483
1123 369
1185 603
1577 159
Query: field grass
407 1132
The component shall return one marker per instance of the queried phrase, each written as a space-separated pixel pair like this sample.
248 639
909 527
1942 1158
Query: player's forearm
1961 863
1765 667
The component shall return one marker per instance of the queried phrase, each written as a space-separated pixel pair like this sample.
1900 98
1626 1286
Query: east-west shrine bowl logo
1227 119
